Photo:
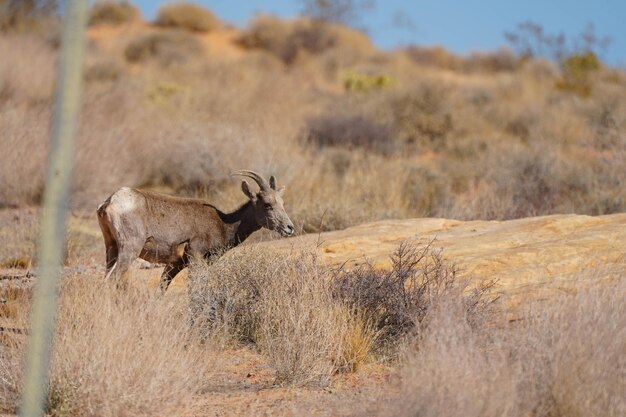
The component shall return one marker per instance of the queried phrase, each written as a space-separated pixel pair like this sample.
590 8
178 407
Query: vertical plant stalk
58 182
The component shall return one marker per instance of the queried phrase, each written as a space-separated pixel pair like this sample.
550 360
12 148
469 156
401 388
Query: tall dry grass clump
187 16
115 354
282 304
565 358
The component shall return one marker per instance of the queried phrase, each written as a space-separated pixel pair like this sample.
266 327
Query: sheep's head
269 208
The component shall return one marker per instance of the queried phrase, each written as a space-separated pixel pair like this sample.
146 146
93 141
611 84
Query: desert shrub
498 61
420 116
417 118
23 183
26 14
289 40
397 301
576 55
280 303
437 57
560 358
360 82
427 190
187 16
29 77
538 181
102 71
117 353
350 131
577 72
113 13
338 11
166 47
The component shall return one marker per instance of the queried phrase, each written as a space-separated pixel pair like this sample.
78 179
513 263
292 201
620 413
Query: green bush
359 82
577 71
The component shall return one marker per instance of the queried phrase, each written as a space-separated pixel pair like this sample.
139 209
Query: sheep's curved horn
256 177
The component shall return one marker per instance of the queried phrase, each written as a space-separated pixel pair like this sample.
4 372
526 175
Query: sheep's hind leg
127 254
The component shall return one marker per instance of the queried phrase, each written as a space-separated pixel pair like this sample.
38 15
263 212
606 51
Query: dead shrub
502 60
538 180
166 47
103 71
397 301
29 76
115 353
187 16
350 132
437 57
419 117
477 62
112 12
428 190
289 40
563 357
32 16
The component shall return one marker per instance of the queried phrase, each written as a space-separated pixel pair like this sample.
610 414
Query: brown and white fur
164 229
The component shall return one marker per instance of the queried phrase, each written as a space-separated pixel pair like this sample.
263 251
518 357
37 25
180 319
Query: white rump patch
123 200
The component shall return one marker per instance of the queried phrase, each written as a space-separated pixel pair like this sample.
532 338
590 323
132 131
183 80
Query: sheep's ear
281 190
246 190
273 183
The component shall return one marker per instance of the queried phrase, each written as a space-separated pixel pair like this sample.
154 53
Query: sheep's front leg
171 270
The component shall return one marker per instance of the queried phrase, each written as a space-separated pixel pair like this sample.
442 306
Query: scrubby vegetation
455 351
293 40
494 136
187 16
167 48
114 354
26 15
113 13
546 364
313 322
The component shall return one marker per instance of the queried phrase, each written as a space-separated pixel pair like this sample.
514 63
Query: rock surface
530 258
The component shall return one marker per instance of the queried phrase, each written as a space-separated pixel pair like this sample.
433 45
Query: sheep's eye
268 206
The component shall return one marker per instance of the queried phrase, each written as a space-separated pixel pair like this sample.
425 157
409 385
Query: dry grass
564 358
112 12
187 16
282 305
115 354
311 322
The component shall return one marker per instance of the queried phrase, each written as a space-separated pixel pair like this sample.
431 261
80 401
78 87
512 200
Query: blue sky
461 26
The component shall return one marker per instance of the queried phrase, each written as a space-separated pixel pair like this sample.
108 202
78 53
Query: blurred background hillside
176 97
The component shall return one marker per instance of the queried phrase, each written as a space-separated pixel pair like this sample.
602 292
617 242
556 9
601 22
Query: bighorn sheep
165 229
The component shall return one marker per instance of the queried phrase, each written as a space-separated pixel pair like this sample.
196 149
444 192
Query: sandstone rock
530 258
